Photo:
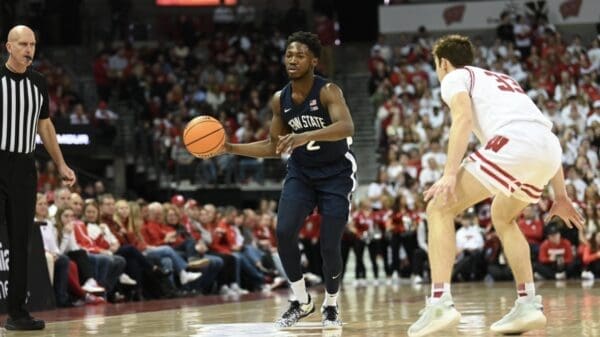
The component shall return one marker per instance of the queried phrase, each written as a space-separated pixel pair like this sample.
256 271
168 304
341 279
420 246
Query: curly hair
306 38
455 48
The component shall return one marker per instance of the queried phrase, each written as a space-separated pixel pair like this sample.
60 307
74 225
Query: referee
23 113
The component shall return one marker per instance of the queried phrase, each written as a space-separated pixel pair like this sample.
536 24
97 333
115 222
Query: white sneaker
91 286
526 315
435 317
587 275
125 279
560 276
417 279
226 291
186 276
236 288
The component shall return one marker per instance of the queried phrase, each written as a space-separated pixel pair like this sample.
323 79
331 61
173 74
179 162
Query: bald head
21 48
17 31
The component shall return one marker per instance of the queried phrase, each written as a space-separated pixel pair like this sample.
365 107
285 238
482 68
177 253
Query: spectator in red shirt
555 260
533 229
591 255
109 266
158 236
361 225
397 223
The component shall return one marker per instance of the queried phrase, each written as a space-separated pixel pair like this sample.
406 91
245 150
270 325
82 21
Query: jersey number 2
311 146
506 82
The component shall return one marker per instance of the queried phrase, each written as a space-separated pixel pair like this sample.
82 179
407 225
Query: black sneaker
331 317
295 312
24 323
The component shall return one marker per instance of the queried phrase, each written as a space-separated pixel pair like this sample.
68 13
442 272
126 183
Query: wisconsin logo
454 14
570 8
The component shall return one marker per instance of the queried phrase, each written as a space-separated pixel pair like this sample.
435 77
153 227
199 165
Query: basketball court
382 310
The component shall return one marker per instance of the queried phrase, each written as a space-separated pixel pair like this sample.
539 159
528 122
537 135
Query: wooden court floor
572 308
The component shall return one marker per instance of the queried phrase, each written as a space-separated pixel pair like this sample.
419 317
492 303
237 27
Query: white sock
526 291
299 290
438 290
330 299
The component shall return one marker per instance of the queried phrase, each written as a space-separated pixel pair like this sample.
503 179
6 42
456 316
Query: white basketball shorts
518 161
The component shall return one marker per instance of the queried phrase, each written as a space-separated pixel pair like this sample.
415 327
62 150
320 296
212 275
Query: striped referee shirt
23 101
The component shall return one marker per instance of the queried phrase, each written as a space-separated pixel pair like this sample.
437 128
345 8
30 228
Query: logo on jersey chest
306 122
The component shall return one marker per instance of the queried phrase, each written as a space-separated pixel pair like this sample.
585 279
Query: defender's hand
564 209
442 188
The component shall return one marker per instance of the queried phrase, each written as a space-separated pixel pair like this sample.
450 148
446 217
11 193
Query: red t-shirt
533 230
548 249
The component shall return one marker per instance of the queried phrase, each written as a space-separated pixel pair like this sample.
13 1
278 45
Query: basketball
204 136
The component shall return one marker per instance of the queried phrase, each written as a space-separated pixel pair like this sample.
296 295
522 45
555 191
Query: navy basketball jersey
307 116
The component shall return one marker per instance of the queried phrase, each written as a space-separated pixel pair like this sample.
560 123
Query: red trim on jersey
472 76
523 187
535 196
533 188
498 179
496 167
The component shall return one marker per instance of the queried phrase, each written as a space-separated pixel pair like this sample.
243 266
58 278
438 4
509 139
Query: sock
526 290
437 290
299 290
330 299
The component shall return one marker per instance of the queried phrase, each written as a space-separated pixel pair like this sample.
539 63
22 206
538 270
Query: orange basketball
204 136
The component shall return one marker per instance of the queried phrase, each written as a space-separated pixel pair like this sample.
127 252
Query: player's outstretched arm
341 122
264 148
563 206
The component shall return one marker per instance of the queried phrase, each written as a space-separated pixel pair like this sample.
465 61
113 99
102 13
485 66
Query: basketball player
312 122
519 156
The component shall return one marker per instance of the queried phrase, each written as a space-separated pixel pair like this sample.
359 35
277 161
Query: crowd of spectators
101 249
559 74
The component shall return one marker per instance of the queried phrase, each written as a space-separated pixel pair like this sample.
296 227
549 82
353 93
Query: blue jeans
167 253
107 269
254 254
209 274
61 280
250 270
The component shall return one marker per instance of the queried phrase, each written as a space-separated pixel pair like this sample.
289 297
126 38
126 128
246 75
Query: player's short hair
307 38
455 48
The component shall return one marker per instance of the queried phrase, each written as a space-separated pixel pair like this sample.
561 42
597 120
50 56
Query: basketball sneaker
527 314
331 317
435 317
295 312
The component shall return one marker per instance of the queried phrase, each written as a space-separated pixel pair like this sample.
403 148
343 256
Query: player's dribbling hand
67 175
443 188
224 149
289 142
564 209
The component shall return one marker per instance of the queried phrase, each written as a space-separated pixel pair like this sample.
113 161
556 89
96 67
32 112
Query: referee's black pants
18 181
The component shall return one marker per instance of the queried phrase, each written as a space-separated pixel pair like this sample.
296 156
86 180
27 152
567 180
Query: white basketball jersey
497 100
